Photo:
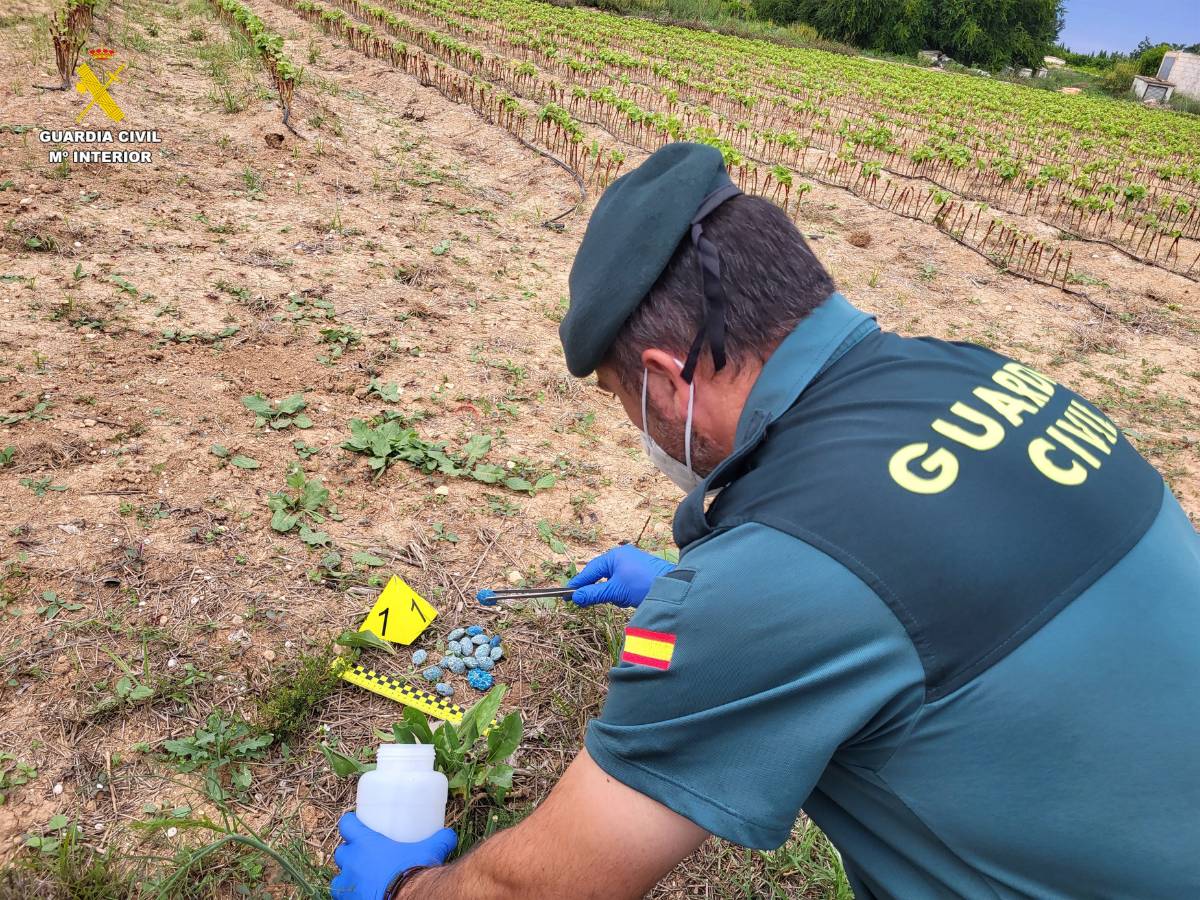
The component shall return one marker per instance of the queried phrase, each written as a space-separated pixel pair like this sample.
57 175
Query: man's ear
664 385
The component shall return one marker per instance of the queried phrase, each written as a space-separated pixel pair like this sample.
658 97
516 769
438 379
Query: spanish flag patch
648 648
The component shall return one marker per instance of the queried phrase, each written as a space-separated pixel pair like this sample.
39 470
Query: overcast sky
1119 24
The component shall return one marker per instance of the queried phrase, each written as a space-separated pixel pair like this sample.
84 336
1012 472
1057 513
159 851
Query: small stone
268 655
442 491
433 673
89 423
172 663
480 680
515 577
479 640
456 634
466 647
419 657
483 652
444 689
58 789
497 653
172 831
444 661
495 641
456 665
486 664
474 630
454 649
470 662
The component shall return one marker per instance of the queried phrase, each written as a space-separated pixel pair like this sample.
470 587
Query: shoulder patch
648 648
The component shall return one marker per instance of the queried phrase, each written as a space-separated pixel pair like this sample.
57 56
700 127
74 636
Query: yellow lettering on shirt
1030 376
1106 427
1021 388
1007 405
1084 432
1079 440
1039 453
941 464
992 434
1054 432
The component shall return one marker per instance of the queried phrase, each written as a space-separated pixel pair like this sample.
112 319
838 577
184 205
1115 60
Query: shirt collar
821 338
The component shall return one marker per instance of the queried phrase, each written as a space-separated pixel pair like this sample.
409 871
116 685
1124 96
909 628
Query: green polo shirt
770 679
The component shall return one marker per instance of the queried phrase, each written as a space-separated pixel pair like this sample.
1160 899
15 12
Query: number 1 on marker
412 613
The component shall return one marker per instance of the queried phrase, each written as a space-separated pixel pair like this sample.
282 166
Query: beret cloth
632 235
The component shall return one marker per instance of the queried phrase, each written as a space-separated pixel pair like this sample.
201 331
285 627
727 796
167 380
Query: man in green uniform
925 593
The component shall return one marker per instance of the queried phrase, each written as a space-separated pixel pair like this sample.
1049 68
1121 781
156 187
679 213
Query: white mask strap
645 422
687 433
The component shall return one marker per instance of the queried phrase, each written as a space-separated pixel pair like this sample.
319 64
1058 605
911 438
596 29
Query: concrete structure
1182 70
1152 90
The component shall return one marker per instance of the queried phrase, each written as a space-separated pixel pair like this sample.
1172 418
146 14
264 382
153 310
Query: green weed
234 459
279 414
389 393
36 414
340 340
306 502
13 773
295 694
222 748
41 486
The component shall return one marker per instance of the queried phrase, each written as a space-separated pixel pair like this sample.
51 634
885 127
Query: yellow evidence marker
400 614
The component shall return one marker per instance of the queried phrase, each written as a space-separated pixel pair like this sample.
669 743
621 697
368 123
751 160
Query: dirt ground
421 225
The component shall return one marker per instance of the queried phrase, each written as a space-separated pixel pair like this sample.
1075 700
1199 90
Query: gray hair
771 278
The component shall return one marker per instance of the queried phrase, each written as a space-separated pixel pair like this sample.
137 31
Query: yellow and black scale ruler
402 692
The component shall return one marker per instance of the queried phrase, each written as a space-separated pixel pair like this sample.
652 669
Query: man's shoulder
758 590
756 554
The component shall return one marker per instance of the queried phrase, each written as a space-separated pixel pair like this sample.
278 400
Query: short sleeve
742 675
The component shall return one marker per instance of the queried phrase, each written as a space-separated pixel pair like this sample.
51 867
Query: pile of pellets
470 651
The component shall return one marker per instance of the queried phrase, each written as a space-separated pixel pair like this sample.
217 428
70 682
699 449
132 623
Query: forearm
593 838
494 870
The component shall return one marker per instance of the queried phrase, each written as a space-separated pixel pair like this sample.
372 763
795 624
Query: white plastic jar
403 798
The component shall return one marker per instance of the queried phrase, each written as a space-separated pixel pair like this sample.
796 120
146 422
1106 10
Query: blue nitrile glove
629 572
369 862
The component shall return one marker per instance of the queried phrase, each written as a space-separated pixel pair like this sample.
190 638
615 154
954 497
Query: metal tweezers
524 594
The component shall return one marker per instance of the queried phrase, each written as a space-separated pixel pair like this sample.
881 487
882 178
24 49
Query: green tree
991 33
1118 80
1151 58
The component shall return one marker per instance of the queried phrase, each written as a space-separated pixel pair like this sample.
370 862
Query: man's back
974 674
1068 769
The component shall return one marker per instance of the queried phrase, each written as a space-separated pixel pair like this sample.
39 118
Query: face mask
680 473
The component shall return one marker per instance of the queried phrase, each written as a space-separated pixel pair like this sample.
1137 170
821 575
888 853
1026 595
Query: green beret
633 233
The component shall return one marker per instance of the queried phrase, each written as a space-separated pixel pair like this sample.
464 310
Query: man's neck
725 398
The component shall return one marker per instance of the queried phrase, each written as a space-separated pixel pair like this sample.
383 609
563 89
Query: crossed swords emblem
89 84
